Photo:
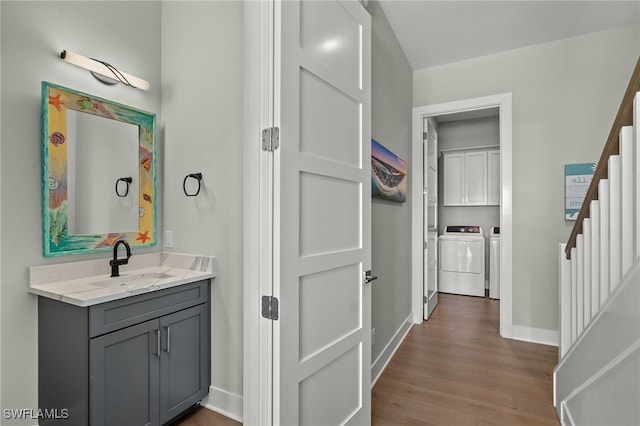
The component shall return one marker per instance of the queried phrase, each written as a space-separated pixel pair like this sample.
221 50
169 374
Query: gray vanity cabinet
137 361
124 377
184 358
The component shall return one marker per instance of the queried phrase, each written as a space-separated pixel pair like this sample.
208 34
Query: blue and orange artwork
388 174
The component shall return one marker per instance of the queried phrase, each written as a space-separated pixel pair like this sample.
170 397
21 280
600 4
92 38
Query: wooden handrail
612 147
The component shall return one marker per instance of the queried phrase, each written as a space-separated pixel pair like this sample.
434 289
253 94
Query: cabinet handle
157 343
168 328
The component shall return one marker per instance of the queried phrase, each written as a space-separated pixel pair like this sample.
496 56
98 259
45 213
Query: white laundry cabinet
471 177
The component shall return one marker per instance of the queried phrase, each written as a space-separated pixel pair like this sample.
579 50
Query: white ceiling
434 33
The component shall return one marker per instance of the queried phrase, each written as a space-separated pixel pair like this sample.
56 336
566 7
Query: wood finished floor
455 369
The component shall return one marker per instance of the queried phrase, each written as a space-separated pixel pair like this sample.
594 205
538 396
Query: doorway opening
478 109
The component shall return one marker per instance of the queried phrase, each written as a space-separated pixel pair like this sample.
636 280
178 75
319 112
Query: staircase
597 379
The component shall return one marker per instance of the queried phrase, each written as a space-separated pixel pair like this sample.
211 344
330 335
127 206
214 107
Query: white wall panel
605 346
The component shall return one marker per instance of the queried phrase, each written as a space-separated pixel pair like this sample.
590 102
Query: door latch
368 277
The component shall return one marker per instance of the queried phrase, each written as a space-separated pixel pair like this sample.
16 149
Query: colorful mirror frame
56 100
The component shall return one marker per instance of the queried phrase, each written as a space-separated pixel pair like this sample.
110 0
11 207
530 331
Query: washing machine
494 263
462 266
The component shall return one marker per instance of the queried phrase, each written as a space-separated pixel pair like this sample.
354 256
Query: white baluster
565 301
626 194
603 195
636 141
574 295
615 219
580 281
586 295
595 256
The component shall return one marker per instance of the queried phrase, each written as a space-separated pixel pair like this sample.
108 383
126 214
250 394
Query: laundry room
469 201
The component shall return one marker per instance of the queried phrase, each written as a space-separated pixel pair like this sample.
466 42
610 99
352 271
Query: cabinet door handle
168 328
157 343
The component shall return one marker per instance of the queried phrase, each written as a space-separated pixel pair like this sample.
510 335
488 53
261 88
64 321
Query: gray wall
202 93
565 96
33 34
391 222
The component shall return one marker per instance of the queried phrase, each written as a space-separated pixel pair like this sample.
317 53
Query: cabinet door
454 188
476 178
493 196
184 366
123 383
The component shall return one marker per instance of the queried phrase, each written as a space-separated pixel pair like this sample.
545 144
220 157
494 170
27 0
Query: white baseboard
378 366
536 335
224 402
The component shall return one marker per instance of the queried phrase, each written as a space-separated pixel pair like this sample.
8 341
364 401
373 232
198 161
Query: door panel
338 288
476 179
331 34
319 407
184 366
124 375
493 184
327 219
430 212
322 193
318 119
432 273
454 180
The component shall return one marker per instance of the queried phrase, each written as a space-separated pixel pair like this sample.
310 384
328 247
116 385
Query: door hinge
270 307
425 245
424 299
424 136
270 139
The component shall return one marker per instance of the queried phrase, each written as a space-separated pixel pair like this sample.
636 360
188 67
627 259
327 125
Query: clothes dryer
462 266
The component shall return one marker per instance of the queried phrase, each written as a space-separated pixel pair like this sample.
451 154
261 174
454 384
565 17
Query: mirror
98 173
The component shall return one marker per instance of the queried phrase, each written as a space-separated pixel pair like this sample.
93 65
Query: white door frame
257 279
503 103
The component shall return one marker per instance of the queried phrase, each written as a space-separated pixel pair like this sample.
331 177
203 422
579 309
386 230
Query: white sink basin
133 280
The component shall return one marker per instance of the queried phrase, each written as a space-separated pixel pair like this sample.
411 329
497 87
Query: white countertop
89 282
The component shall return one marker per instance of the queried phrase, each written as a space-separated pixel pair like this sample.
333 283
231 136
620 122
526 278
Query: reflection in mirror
91 148
100 152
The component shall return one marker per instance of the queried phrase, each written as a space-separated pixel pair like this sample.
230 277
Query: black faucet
115 262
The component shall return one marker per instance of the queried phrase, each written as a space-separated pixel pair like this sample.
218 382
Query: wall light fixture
103 71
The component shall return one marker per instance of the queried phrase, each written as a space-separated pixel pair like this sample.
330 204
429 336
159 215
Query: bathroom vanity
128 350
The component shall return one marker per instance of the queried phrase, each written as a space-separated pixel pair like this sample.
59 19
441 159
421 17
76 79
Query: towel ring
196 176
127 181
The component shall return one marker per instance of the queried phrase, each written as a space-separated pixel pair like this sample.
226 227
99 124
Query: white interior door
430 209
322 180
